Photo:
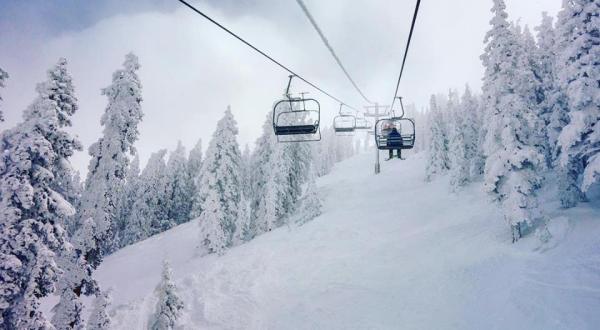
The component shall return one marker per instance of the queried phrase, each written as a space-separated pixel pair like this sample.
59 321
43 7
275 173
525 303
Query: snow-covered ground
389 252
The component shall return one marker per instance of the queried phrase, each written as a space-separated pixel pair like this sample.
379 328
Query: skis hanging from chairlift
296 119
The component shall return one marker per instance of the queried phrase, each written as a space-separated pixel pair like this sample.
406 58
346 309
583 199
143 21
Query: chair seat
344 129
296 129
404 142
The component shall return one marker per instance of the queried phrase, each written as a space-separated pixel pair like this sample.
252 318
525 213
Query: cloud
191 70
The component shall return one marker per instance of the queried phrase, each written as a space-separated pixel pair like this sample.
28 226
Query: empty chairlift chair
344 124
296 119
363 124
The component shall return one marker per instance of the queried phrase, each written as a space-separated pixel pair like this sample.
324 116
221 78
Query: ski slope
389 252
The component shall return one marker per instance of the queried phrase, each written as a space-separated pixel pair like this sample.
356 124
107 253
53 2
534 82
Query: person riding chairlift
394 141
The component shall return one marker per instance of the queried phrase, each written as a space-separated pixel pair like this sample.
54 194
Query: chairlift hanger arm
401 107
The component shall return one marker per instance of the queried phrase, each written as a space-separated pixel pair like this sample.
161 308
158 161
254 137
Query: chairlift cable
313 22
197 11
412 28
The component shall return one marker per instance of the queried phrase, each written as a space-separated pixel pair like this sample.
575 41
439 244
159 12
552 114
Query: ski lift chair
296 119
344 124
405 127
363 124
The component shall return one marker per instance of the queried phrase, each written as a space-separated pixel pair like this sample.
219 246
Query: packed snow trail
389 252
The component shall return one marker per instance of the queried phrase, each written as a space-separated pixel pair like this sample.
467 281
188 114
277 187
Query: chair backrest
297 120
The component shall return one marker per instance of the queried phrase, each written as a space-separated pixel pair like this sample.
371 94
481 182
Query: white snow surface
388 252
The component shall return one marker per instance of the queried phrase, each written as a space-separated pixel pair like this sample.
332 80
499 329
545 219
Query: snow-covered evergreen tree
514 163
245 228
169 305
32 212
99 317
268 180
180 187
76 278
66 180
3 77
460 163
72 188
128 197
532 91
311 204
108 167
246 170
68 311
149 215
579 75
194 167
213 235
555 102
437 152
473 122
221 186
296 163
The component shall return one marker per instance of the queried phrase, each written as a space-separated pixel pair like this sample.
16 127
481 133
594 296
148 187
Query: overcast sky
191 70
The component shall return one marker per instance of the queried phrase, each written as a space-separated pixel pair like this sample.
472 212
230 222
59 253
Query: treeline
55 229
537 120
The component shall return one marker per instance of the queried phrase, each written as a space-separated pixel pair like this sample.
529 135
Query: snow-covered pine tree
128 197
532 91
245 228
180 187
514 163
76 278
311 204
66 180
31 232
246 170
555 101
68 310
194 166
169 305
108 167
72 187
296 163
213 236
473 122
268 180
3 77
99 318
459 168
579 74
437 151
149 215
221 186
